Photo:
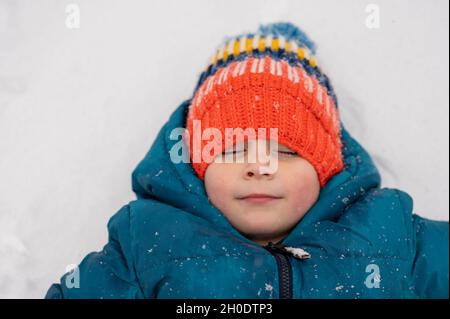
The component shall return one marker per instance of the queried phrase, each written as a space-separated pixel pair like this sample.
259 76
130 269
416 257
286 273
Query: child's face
294 186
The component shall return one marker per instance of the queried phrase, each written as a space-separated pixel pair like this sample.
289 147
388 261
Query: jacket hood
156 177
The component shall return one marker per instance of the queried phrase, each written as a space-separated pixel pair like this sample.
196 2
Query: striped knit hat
270 79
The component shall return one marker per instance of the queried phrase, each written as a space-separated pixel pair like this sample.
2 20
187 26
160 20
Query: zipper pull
296 252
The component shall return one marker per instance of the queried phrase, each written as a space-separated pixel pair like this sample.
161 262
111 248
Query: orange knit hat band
265 92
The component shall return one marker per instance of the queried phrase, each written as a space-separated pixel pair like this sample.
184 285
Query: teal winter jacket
364 241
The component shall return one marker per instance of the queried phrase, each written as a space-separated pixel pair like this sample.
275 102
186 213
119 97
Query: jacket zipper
284 269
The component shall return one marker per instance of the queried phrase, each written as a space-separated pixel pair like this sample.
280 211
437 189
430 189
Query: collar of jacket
157 177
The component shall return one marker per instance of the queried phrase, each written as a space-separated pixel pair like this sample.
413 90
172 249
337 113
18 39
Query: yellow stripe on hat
262 44
313 62
236 47
301 53
225 53
275 44
248 45
288 46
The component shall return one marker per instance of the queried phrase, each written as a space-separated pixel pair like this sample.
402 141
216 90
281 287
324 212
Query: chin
262 237
261 229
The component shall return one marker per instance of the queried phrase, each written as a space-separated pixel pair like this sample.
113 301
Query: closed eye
287 153
239 151
232 151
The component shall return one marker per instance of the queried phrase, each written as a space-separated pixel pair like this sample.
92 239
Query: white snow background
79 108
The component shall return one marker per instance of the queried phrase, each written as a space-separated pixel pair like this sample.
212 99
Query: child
310 220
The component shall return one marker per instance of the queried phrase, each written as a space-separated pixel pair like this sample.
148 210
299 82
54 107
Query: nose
257 171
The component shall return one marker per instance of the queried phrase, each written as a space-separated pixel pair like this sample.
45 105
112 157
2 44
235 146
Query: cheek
218 183
302 186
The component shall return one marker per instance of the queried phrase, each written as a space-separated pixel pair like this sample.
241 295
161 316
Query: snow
339 288
78 116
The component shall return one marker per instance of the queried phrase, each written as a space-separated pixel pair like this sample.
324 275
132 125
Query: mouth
259 198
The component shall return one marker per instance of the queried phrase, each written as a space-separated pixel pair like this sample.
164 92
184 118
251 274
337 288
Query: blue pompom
290 32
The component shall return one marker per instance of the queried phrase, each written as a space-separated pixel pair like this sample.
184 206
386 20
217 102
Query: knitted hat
270 79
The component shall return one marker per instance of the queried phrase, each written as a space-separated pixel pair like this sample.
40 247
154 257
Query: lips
259 198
